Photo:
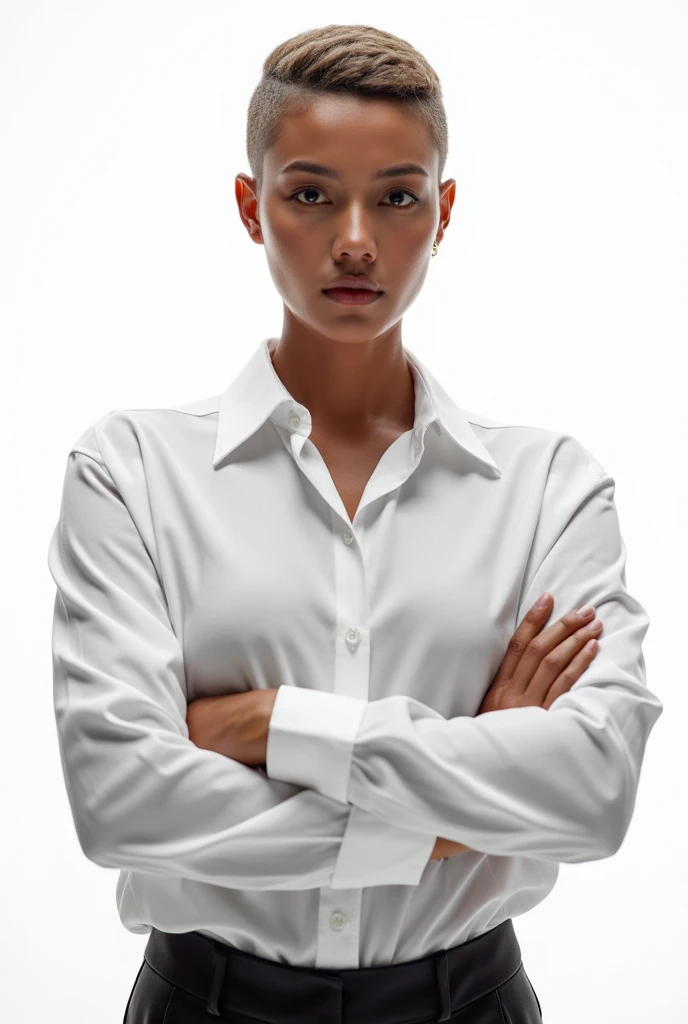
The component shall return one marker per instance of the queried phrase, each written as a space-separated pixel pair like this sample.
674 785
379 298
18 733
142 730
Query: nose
355 237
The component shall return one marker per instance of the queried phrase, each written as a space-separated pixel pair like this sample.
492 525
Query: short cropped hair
354 59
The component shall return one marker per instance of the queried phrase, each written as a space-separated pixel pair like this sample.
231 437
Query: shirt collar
257 394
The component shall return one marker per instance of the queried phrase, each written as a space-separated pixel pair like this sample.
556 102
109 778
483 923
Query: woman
281 609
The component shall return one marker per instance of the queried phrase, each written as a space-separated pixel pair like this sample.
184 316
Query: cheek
418 245
282 230
285 234
412 287
290 250
410 266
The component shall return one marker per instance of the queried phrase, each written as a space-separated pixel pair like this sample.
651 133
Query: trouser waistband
434 987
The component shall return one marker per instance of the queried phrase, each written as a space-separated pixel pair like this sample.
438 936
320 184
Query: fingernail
587 609
542 600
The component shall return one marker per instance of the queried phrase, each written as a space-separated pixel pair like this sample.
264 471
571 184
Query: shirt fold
143 796
555 784
203 549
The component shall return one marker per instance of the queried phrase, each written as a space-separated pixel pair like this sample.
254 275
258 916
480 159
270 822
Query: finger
571 673
561 661
541 645
528 629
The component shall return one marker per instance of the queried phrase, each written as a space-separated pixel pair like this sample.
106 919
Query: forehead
351 131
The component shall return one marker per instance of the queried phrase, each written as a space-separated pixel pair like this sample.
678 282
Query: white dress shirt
204 549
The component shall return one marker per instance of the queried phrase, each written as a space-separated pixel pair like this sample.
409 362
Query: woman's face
316 226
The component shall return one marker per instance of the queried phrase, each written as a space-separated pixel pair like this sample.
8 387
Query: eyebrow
329 172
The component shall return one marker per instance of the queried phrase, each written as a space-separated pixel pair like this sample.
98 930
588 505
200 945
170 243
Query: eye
403 192
308 188
396 192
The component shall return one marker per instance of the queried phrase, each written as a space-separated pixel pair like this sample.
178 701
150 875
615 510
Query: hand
537 668
446 848
235 724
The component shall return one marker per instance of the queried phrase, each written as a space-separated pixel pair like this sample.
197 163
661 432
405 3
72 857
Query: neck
351 389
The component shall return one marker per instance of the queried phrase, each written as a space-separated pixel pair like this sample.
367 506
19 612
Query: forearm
236 725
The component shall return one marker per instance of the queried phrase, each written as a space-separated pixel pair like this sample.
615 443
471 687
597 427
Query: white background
557 299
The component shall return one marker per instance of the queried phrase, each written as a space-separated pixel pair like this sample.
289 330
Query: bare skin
346 363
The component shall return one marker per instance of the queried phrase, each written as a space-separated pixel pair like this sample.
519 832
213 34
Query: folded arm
142 795
557 784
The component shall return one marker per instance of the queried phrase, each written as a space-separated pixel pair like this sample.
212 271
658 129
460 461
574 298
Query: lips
354 291
352 296
354 281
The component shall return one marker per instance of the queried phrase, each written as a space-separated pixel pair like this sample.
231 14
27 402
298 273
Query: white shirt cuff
375 852
311 738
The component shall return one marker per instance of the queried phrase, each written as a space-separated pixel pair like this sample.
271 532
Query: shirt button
294 420
352 636
338 920
348 536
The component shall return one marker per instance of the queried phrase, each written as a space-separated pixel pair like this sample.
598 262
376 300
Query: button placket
339 916
339 910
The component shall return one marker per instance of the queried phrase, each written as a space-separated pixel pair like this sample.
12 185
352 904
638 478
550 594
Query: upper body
205 550
334 525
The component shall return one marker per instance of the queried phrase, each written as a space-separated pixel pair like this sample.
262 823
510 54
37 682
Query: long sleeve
142 795
558 784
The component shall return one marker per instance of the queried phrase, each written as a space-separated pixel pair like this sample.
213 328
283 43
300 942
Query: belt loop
218 978
442 969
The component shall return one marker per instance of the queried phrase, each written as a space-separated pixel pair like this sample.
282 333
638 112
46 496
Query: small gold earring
435 250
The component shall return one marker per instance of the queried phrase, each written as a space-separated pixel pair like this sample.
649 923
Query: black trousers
191 979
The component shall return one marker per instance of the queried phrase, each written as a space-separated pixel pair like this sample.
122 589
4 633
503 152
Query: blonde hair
355 59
